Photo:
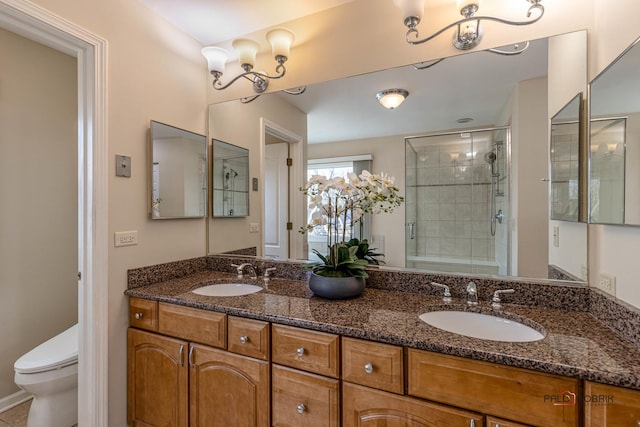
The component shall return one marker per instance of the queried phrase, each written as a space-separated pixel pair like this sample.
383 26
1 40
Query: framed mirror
230 180
178 173
564 159
615 141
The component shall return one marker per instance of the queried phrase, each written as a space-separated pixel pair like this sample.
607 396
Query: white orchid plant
339 204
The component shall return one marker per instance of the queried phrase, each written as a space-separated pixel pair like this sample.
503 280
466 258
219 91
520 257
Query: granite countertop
576 344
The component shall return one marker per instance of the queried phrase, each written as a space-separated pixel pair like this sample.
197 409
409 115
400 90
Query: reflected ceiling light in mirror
468 31
280 40
391 98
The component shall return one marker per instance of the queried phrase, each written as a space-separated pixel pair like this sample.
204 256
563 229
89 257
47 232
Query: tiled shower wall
448 198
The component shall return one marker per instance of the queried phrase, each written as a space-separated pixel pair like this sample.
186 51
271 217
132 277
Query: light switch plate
123 166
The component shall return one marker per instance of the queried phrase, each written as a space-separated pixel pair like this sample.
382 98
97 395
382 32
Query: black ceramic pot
336 287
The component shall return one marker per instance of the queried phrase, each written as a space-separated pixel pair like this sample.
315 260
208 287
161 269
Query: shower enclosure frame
507 147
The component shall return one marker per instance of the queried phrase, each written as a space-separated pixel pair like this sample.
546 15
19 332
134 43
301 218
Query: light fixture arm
412 22
259 79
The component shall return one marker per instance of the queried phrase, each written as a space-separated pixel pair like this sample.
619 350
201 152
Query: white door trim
296 200
33 22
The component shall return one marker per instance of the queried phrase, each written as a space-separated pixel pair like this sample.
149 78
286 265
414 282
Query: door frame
297 175
38 24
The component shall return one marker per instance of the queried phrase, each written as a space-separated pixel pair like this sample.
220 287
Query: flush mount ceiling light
468 32
391 98
280 39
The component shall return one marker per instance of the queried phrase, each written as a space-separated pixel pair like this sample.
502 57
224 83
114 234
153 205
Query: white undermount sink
227 290
483 326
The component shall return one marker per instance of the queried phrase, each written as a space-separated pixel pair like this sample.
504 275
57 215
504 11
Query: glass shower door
457 202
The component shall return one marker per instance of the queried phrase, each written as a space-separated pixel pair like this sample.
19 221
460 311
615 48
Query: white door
276 201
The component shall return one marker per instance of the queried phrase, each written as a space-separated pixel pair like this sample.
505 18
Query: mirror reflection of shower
229 184
457 187
490 157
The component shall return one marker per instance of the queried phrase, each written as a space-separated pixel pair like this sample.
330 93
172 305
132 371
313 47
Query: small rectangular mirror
178 173
565 162
230 180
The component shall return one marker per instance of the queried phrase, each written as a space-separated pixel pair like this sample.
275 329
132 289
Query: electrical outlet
607 283
253 227
125 238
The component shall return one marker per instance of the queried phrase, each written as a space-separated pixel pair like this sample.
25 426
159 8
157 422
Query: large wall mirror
178 173
342 118
615 142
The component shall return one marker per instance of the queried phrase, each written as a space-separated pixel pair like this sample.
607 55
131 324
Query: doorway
282 170
38 24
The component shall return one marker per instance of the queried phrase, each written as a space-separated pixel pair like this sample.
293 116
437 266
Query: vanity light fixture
391 98
295 91
280 39
468 32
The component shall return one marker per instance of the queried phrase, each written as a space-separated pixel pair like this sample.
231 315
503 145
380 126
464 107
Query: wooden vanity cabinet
367 407
305 371
157 380
304 399
516 394
227 390
610 406
175 380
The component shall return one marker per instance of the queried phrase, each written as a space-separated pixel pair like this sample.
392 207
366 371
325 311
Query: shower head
490 157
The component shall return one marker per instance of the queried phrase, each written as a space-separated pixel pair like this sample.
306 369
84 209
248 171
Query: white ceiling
475 85
215 21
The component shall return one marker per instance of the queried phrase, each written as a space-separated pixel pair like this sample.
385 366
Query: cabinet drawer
303 399
373 364
517 394
248 337
307 350
143 314
609 406
499 422
206 327
366 407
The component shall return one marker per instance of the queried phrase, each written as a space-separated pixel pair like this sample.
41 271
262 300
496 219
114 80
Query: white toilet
50 373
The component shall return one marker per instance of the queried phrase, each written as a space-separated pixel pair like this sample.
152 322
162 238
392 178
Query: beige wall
614 249
239 124
388 156
153 72
38 220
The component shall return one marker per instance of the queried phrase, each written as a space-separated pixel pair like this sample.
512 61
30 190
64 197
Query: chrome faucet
447 294
495 301
240 269
472 294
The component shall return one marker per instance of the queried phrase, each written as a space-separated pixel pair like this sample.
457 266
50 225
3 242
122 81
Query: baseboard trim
14 399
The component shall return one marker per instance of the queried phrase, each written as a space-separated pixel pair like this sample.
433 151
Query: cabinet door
157 380
304 399
227 390
367 407
609 406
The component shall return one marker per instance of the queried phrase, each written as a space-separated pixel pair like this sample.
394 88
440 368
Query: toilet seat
56 353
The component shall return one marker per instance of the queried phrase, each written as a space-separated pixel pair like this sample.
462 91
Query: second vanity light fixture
468 32
280 39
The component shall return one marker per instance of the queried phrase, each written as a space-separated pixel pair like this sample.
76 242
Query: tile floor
16 416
